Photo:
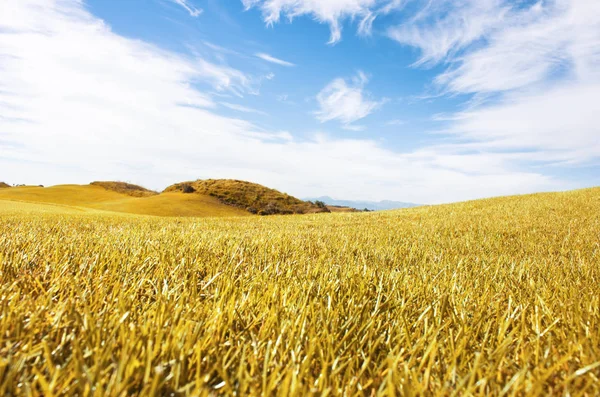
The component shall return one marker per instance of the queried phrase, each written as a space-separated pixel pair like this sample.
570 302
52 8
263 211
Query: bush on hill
186 188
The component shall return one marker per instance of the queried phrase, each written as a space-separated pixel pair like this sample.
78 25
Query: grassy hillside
126 188
11 207
490 297
251 197
4 185
74 195
98 197
210 198
174 204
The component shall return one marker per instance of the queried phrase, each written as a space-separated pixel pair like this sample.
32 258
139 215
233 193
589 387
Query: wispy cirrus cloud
272 59
540 63
189 7
443 28
346 101
540 44
241 108
331 12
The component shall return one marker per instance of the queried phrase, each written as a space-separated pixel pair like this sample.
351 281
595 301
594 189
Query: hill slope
4 185
174 204
100 198
125 188
251 197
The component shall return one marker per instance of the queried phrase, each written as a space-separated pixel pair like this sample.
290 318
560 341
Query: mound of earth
4 185
252 197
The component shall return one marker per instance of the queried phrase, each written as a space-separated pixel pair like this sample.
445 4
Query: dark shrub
187 188
270 209
320 204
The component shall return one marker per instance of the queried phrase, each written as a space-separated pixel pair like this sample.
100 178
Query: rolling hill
219 198
4 185
252 197
97 197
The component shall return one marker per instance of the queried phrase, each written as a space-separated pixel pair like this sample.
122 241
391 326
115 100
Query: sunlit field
498 296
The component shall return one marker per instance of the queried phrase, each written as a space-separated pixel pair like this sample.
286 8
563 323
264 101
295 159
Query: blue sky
422 101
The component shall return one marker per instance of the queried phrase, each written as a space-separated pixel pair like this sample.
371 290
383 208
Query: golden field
95 197
490 297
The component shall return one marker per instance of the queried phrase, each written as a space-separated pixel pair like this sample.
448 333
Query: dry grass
497 297
73 195
249 196
126 188
99 198
339 208
174 204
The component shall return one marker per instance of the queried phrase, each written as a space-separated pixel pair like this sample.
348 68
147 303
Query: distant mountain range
370 205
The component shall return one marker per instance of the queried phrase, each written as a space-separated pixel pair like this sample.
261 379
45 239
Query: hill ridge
125 188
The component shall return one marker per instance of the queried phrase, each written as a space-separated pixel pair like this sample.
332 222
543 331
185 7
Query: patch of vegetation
320 204
125 188
4 185
186 188
252 197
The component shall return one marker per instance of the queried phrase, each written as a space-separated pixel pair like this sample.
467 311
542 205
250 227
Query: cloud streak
241 108
191 9
277 61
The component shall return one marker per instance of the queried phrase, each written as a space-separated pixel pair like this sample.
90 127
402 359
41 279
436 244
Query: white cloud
345 102
534 45
269 58
534 71
80 103
331 12
494 46
224 78
189 7
241 108
445 27
353 127
559 124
